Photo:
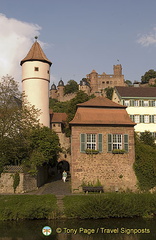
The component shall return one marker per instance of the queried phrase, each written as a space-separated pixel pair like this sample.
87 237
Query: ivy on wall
16 181
145 165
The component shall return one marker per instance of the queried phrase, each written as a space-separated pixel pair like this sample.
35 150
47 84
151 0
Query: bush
15 207
110 205
145 165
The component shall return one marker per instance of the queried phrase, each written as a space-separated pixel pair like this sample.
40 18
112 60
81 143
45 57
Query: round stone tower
53 91
35 81
60 88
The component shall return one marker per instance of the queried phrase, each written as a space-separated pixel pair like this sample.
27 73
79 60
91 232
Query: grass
110 205
15 207
94 206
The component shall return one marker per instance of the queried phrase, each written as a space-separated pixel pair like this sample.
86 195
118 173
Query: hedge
110 205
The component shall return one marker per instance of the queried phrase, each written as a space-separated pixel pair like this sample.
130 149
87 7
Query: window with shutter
132 103
126 140
100 142
141 118
141 102
118 141
146 118
132 117
136 118
109 142
82 142
91 141
151 118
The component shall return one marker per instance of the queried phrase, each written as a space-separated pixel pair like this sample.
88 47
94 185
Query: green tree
57 106
22 139
147 138
44 147
109 92
69 107
80 98
71 87
128 82
145 165
148 75
15 121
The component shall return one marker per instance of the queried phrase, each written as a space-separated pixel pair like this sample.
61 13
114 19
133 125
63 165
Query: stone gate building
102 146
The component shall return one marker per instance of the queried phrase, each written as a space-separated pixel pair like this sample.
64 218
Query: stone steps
60 204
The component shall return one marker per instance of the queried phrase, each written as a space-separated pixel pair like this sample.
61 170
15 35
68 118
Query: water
106 229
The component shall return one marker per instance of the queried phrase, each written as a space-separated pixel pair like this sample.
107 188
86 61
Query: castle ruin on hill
94 83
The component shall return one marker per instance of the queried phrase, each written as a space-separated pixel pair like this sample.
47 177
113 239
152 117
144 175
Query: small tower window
48 71
36 69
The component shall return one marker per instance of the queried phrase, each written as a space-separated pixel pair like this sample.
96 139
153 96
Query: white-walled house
141 106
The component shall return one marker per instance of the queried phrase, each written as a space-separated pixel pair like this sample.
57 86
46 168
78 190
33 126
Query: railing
13 169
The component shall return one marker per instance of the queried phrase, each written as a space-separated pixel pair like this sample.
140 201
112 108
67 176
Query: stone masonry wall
27 182
65 144
114 171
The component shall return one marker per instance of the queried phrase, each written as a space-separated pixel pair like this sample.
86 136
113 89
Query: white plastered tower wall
35 81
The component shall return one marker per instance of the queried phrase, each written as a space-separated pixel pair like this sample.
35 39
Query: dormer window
36 69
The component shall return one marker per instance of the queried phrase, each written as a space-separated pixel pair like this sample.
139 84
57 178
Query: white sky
79 36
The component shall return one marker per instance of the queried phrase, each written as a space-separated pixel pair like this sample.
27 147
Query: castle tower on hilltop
35 81
60 88
99 82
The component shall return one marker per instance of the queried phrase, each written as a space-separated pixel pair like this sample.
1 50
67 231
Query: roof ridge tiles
100 102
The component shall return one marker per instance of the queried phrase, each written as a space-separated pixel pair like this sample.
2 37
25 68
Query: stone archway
55 171
61 166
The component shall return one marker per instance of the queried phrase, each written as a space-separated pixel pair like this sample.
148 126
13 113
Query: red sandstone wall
106 167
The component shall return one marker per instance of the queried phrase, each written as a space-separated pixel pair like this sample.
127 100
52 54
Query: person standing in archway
64 176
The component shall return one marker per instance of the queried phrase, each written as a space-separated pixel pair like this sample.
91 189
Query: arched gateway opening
61 166
55 171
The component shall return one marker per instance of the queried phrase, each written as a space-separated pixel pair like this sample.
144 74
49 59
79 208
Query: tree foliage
69 107
145 165
71 110
128 82
147 138
109 92
16 120
57 106
79 98
43 147
71 87
148 75
22 139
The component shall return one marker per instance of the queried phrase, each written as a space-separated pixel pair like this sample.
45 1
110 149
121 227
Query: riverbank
90 206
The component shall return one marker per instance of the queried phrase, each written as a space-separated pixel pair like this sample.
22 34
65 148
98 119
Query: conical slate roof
53 86
61 83
36 54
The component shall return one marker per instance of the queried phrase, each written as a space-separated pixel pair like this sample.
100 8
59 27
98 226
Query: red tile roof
136 91
58 117
102 116
100 102
36 53
102 111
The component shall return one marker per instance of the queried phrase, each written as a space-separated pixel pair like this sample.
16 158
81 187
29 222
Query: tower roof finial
36 37
36 54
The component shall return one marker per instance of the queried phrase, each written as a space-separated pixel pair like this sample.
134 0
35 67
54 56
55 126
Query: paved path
55 186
